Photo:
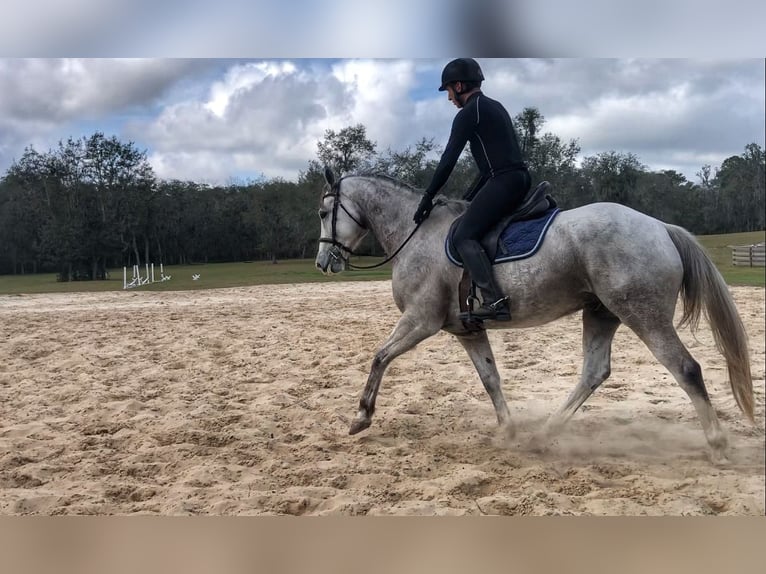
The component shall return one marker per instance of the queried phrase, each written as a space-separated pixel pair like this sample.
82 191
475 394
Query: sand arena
238 401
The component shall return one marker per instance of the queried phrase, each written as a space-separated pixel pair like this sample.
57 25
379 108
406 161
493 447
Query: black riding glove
424 209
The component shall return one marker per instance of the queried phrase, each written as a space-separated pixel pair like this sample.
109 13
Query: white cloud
627 119
70 89
380 98
673 114
261 117
241 78
212 120
267 117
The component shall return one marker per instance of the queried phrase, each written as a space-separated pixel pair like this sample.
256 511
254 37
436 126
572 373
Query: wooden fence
749 255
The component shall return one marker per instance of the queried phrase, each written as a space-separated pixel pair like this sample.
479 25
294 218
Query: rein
335 193
387 259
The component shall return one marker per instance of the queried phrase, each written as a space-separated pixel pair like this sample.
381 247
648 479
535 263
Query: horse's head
341 227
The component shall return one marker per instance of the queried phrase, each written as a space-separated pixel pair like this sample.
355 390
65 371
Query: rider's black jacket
486 124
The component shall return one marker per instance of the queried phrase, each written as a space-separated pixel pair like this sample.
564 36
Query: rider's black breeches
497 198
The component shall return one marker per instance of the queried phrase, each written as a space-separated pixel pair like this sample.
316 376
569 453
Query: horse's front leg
409 331
478 348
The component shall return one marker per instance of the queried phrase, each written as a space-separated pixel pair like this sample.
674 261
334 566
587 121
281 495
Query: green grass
717 246
218 275
212 276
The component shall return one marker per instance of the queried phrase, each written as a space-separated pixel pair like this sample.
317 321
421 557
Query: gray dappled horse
616 265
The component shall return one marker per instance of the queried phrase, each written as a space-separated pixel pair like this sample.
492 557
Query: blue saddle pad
519 240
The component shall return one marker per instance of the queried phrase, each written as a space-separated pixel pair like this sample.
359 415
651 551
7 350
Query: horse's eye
322 214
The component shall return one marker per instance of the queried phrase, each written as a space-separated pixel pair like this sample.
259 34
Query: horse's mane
401 183
457 205
387 177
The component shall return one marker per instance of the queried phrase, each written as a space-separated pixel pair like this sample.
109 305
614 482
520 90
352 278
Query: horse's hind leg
599 327
478 348
408 332
667 347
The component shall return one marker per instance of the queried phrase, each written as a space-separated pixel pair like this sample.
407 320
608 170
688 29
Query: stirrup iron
472 301
494 305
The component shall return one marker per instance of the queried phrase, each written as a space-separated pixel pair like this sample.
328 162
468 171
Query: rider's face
453 97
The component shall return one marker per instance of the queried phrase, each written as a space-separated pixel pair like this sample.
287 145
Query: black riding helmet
461 70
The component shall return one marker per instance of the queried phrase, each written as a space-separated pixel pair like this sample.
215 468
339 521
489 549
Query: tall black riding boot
494 306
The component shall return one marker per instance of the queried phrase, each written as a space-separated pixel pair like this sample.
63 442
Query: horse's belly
541 289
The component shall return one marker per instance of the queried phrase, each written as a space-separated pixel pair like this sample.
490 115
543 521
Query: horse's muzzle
330 262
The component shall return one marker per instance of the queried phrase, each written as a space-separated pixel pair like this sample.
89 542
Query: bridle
335 193
337 253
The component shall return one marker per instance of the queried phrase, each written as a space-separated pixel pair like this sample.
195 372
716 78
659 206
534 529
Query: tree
83 197
411 166
23 214
346 150
742 184
613 175
704 176
528 124
93 203
667 196
553 160
122 182
548 157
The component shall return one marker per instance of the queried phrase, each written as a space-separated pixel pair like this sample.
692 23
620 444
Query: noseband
335 193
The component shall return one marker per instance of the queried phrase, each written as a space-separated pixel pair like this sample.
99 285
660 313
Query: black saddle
535 203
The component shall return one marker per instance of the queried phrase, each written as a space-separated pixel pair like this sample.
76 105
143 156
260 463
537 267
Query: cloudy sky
223 120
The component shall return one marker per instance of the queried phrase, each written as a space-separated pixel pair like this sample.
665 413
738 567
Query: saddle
535 203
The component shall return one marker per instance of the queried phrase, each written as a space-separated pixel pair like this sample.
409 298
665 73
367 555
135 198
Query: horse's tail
703 288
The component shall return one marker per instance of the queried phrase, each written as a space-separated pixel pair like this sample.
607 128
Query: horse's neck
389 209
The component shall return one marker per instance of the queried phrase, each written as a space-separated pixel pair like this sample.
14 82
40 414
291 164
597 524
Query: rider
504 178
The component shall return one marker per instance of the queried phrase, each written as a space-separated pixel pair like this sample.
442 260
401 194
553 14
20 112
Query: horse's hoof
508 431
359 425
719 458
539 443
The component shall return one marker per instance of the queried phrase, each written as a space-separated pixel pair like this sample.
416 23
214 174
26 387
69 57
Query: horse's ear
329 176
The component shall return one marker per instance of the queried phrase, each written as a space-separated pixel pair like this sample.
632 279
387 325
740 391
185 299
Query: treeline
94 203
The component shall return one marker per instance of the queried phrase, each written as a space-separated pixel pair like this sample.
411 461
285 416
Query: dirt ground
238 401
